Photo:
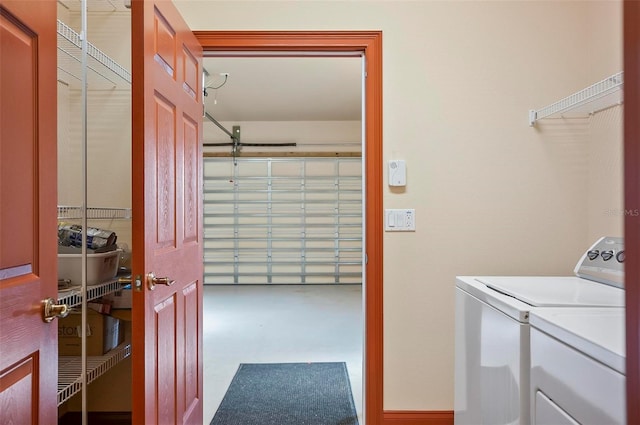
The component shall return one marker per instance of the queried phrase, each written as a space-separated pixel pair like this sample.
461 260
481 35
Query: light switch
400 220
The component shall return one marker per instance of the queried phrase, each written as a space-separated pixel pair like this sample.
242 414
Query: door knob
152 281
51 310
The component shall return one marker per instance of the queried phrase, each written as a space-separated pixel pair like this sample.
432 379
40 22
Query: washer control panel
603 262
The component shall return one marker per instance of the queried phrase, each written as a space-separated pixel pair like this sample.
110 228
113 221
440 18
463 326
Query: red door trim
369 43
418 417
632 203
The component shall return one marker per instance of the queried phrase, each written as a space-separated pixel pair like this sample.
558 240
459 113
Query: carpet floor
288 394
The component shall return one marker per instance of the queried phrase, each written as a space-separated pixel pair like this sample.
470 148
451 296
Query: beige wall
606 200
492 195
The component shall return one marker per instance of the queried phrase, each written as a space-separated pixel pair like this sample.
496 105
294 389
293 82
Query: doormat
288 394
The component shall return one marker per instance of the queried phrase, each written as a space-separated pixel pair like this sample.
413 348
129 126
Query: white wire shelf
93 213
597 97
70 370
72 297
70 367
104 71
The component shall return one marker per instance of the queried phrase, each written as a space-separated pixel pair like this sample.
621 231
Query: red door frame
632 202
369 43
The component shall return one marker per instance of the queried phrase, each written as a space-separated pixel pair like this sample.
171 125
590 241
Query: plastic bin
100 267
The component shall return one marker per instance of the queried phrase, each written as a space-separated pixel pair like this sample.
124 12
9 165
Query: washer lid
556 291
597 332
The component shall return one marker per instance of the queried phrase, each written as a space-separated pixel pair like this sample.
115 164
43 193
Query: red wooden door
28 245
167 216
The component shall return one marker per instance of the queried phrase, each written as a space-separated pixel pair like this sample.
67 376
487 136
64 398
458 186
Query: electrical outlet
400 220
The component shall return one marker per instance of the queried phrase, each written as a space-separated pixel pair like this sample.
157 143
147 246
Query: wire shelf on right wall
597 97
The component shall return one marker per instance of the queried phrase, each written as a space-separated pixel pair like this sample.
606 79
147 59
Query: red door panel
28 245
19 391
167 211
166 354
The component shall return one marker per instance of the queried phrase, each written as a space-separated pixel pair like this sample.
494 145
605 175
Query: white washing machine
492 330
578 366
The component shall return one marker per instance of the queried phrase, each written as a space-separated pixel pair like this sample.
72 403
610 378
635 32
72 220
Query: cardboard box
103 334
122 314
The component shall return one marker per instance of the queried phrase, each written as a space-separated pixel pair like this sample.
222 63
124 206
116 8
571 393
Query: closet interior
94 192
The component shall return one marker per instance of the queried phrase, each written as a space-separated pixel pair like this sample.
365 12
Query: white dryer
578 366
492 330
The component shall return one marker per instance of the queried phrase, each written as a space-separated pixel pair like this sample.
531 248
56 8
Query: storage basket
100 267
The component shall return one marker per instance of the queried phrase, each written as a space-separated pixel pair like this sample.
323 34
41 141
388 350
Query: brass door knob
51 310
152 281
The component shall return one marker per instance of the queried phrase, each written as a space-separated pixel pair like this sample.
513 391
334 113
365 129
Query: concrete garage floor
279 324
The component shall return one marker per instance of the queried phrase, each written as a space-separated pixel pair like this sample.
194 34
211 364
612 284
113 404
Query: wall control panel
603 262
400 220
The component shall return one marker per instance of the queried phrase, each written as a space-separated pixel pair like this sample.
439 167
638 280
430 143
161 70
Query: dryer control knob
620 256
607 255
593 254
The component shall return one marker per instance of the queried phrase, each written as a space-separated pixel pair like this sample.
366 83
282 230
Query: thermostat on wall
397 172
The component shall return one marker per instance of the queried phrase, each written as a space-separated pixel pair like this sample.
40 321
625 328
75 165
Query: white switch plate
400 220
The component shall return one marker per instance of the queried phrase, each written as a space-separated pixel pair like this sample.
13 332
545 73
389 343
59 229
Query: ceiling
281 88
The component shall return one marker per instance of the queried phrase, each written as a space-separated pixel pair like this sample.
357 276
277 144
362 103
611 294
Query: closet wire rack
72 297
70 370
595 98
69 58
93 213
70 367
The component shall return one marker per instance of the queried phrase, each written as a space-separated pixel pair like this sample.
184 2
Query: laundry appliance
578 366
492 330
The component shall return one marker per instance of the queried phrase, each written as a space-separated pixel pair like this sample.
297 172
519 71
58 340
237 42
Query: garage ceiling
284 88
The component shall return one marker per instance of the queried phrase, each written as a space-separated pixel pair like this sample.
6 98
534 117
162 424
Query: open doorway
369 43
283 220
